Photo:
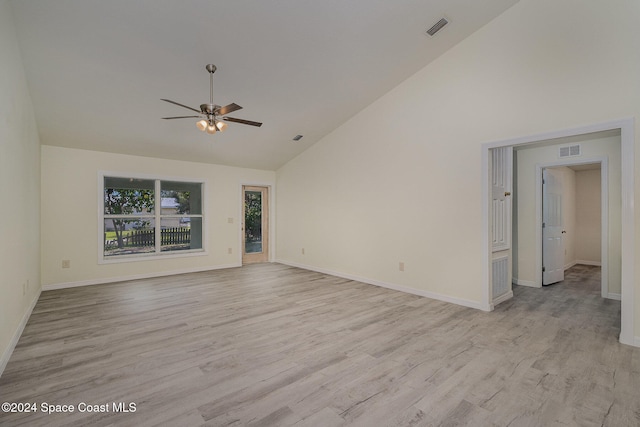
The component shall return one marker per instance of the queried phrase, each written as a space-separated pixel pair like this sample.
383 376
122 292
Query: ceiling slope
98 69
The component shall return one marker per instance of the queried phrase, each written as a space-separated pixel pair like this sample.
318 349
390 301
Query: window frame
157 216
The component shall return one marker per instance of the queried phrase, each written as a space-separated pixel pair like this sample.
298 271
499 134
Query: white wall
588 217
19 191
70 214
401 180
528 159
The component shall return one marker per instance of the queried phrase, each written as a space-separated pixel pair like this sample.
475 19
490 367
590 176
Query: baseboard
6 355
571 264
528 283
583 262
617 297
392 286
53 286
633 341
502 298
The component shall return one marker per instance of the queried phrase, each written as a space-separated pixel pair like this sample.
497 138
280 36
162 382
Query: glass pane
252 222
181 198
128 236
128 196
180 234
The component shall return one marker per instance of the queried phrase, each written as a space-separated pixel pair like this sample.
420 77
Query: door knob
507 193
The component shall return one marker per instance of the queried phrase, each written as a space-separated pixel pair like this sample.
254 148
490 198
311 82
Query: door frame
627 141
271 193
604 217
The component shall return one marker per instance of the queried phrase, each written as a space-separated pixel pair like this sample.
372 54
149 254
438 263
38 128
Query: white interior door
552 230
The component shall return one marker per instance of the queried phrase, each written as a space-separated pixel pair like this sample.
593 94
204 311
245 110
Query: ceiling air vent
570 151
437 27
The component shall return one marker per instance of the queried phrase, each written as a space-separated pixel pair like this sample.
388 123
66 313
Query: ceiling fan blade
228 109
181 117
181 105
242 121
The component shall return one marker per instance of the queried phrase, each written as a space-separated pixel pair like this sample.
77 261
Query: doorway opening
578 193
255 224
624 250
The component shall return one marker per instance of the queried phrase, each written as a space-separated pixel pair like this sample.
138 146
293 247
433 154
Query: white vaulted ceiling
97 69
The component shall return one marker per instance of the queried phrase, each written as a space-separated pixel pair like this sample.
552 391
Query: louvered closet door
501 161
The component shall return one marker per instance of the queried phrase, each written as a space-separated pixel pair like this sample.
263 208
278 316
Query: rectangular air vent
437 27
570 151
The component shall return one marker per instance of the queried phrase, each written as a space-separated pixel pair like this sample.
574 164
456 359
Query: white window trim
116 259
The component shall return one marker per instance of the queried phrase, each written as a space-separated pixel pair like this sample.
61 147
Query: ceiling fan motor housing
208 108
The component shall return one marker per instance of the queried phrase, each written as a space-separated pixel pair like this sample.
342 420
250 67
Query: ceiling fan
211 115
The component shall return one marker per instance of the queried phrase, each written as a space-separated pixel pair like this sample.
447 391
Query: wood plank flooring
272 345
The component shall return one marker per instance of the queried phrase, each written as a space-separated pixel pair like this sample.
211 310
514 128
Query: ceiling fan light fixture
202 125
211 129
221 126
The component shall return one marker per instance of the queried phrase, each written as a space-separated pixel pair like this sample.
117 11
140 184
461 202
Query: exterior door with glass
255 224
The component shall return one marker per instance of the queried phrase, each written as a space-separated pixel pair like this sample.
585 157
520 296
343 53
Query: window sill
117 259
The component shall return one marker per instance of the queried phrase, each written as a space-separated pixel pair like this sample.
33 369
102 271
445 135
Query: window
145 217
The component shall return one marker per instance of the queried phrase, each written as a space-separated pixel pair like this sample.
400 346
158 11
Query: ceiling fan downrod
209 109
211 69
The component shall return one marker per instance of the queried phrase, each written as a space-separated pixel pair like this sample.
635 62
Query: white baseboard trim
502 298
583 262
528 283
6 355
633 341
392 286
53 286
617 297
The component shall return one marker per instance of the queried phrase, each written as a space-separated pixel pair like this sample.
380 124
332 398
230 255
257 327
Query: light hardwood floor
274 345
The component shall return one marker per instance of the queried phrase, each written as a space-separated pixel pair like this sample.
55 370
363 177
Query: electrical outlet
302 251
66 263
230 220
229 251
401 266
